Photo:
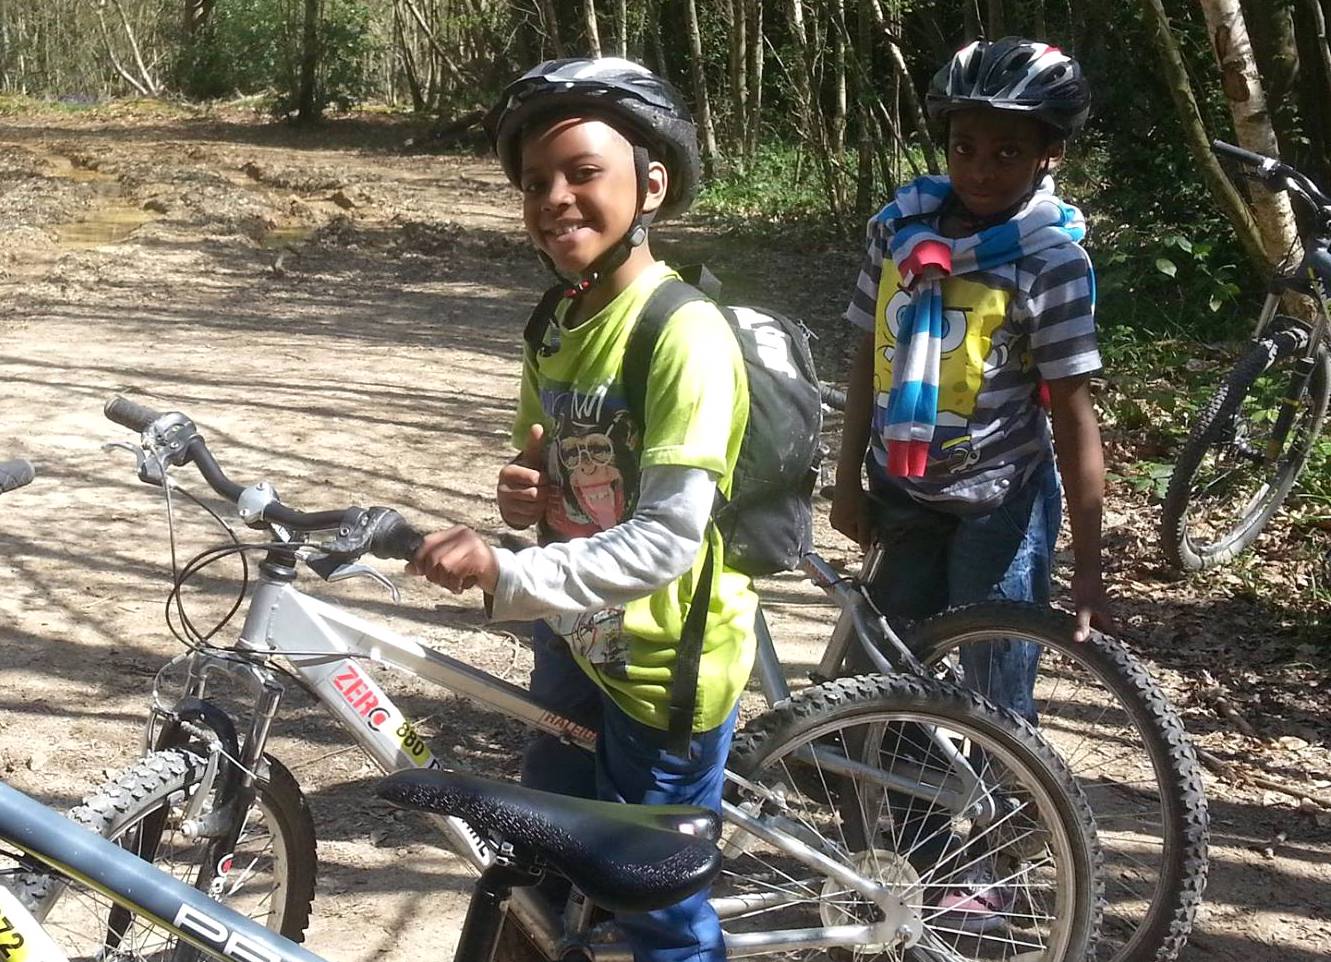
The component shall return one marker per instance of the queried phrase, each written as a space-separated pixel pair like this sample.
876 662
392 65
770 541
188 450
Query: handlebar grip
15 474
835 398
393 537
1238 153
130 414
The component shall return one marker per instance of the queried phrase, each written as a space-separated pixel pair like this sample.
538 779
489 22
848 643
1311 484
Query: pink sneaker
978 903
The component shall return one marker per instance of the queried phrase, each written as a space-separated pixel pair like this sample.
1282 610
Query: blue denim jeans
631 764
937 559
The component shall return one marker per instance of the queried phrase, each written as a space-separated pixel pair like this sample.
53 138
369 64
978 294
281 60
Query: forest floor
342 314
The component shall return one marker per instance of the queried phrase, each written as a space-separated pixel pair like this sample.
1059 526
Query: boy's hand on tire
1092 605
523 485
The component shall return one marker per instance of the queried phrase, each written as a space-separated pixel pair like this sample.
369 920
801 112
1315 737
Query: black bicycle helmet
1023 76
647 110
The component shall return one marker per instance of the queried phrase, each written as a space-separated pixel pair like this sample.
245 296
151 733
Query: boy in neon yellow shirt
599 149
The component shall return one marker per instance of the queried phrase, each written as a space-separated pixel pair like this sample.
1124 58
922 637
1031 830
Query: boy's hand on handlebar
850 513
523 487
456 559
1092 605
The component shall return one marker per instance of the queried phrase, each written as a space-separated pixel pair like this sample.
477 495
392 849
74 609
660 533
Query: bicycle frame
323 643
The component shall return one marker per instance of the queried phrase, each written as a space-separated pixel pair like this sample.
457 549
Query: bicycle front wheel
269 877
977 841
1127 749
1246 450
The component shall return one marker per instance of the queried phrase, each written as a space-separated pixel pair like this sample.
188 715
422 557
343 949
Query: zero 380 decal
368 700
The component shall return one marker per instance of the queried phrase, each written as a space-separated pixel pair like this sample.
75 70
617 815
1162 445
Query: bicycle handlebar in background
15 474
1274 173
380 531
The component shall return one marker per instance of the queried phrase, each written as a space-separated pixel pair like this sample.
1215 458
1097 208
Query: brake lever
149 470
331 569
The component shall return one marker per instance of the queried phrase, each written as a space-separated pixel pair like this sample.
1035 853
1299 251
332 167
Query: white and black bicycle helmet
646 109
1023 76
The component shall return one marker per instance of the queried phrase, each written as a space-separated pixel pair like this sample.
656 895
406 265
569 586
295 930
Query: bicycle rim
1128 751
1238 469
1004 868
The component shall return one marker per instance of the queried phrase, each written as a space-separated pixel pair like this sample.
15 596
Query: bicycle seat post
485 913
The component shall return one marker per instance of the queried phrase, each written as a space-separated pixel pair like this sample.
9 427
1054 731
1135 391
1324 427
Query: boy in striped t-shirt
977 305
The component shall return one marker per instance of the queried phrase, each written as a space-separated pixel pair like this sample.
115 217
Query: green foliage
255 46
1166 261
780 186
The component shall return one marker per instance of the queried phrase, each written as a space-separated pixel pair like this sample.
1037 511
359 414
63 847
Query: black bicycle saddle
625 858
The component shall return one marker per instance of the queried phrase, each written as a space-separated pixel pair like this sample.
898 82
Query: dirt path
343 318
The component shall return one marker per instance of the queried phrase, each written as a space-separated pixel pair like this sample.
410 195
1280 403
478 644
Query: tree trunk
918 119
1252 124
622 27
738 68
997 20
1039 27
308 110
1315 89
811 126
654 43
865 93
408 60
589 21
970 18
1271 28
838 125
754 119
1180 90
705 128
149 84
551 24
115 61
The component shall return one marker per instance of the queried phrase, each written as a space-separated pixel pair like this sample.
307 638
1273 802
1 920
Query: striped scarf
923 258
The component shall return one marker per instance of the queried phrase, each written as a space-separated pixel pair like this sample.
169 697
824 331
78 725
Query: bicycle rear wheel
269 877
1005 867
1242 457
1127 749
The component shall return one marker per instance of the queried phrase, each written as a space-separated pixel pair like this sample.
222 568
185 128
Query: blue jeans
936 559
631 764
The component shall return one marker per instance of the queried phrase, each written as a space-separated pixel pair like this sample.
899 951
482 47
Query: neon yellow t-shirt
697 407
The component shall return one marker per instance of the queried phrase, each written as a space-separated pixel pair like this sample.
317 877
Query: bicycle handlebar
380 531
1277 175
15 474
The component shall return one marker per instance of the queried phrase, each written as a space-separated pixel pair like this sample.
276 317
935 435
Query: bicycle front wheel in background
1127 749
1242 457
269 877
989 852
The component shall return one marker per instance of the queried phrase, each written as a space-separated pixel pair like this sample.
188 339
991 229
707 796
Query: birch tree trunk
705 128
589 19
1199 144
1252 123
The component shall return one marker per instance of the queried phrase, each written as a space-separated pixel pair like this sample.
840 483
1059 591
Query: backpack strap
669 296
542 316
